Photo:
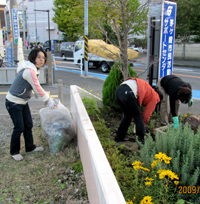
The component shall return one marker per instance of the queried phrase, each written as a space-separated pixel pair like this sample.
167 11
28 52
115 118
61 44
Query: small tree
128 17
114 79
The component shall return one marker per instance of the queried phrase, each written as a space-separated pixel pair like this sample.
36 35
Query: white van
93 60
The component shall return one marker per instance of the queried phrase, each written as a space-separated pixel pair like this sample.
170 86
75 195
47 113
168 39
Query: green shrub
91 105
184 149
114 79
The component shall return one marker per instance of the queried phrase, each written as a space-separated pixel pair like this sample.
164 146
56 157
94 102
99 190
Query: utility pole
35 24
24 19
49 31
13 5
48 26
86 37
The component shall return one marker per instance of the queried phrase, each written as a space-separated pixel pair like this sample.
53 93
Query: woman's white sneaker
17 157
38 149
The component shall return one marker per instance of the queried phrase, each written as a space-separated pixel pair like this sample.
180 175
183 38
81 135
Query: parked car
138 49
46 45
67 49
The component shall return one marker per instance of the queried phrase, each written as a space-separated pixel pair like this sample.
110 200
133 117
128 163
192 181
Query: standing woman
17 98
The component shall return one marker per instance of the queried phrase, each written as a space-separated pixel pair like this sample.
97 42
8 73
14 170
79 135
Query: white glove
51 103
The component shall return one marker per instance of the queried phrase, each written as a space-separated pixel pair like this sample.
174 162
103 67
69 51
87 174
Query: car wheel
63 56
104 67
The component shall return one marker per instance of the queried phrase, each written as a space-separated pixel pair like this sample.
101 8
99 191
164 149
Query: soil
112 120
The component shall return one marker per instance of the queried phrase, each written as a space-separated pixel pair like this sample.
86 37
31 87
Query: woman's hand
51 103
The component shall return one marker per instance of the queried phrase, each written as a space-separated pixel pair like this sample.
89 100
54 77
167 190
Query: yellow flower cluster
154 163
149 179
146 200
162 156
162 173
138 165
129 202
148 182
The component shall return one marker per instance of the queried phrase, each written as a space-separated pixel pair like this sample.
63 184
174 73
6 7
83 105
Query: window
78 46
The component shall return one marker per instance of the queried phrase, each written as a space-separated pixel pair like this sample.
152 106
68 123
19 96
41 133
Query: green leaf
18 199
181 201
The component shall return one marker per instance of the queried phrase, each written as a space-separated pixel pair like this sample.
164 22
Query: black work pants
22 120
131 109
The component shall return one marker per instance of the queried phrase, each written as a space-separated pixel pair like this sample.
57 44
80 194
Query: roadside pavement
180 63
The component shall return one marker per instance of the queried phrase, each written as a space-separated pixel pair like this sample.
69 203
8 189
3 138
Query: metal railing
66 64
7 75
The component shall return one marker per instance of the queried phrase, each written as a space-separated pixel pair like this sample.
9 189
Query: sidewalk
181 63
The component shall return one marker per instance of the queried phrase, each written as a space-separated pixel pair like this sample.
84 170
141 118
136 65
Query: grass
42 177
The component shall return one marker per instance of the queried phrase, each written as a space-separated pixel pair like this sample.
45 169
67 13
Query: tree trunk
125 46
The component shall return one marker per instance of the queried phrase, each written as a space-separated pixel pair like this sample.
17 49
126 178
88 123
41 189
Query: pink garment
26 43
41 92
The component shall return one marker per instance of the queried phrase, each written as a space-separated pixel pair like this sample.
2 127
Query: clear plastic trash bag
58 126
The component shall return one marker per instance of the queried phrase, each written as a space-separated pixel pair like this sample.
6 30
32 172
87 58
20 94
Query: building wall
41 21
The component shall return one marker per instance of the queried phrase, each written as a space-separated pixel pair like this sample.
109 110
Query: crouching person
17 98
177 90
130 95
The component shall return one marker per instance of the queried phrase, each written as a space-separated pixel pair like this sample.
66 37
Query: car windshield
78 46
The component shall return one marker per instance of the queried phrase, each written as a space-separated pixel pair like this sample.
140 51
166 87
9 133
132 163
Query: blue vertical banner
9 52
168 26
15 25
52 45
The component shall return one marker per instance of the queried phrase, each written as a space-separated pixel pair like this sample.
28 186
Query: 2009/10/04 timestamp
188 189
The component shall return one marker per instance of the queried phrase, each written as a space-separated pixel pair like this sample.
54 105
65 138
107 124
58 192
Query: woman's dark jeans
22 120
129 104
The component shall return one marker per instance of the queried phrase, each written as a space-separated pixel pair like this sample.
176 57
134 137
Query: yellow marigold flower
149 179
137 163
129 202
97 94
83 89
91 90
146 200
162 156
176 182
154 163
169 173
167 161
136 167
155 175
145 169
148 183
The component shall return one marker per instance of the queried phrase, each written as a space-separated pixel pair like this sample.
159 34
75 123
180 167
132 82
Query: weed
35 178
